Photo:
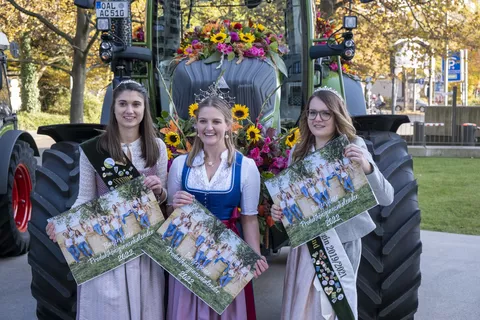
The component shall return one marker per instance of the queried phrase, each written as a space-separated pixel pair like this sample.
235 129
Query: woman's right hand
50 229
182 198
276 212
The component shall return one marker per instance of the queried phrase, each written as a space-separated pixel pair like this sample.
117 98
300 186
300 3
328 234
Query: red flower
179 51
237 26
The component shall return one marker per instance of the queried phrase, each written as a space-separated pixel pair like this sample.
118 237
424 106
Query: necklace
209 163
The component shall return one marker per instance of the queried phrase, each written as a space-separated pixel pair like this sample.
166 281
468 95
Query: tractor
17 169
389 274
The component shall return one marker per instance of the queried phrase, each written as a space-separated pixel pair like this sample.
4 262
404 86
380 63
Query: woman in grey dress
324 119
135 290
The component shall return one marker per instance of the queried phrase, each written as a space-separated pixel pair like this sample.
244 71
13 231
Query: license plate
112 9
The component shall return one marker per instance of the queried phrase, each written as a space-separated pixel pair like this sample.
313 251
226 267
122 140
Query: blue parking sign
455 73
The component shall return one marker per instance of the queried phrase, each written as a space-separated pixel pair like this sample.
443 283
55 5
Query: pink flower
224 48
255 155
194 42
266 148
334 66
288 153
259 126
255 52
278 164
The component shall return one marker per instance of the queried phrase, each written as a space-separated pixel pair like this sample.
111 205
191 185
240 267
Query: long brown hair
224 108
343 122
110 140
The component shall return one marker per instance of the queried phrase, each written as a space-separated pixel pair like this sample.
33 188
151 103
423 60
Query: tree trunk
327 8
29 92
79 68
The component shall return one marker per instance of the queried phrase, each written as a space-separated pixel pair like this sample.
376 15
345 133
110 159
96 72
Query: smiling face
317 111
129 109
211 126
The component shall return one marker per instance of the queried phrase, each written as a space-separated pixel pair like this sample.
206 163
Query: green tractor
389 274
17 170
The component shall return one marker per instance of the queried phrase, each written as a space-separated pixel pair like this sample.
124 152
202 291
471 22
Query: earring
227 136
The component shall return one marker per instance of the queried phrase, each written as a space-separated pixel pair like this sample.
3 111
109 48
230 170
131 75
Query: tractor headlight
350 22
103 24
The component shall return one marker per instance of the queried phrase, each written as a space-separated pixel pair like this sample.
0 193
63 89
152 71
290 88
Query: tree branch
43 20
92 41
42 63
95 66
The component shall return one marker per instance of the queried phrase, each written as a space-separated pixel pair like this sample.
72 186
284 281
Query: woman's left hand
260 267
153 183
355 153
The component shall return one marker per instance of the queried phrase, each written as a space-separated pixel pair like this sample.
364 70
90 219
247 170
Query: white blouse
221 180
88 188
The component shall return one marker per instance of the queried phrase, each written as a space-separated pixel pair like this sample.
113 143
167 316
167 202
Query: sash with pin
113 173
334 276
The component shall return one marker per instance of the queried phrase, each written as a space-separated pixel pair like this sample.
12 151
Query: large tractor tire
15 205
389 274
53 286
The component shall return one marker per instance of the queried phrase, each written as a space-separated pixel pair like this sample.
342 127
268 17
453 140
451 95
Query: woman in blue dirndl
215 174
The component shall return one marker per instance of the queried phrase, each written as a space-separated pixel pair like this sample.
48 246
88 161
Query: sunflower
169 154
172 139
218 38
240 112
253 134
293 137
260 27
191 109
247 37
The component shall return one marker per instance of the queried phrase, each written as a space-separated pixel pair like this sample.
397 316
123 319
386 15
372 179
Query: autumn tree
76 29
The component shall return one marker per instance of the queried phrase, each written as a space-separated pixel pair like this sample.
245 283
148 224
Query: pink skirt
184 305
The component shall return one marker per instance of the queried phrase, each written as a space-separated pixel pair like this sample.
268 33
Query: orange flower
171 128
236 126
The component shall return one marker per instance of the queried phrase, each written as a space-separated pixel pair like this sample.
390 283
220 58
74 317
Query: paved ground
450 287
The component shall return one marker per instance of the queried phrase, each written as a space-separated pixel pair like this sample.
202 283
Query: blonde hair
224 108
343 122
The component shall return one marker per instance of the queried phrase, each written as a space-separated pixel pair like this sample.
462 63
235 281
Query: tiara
130 81
214 90
329 89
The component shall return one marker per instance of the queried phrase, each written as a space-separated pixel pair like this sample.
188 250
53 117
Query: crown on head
214 90
329 89
130 81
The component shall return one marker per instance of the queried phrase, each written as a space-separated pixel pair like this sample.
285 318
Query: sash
113 173
334 276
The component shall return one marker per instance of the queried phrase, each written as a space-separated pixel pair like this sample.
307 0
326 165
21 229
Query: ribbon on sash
113 173
334 276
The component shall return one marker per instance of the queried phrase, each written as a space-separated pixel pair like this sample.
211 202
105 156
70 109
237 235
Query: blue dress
183 304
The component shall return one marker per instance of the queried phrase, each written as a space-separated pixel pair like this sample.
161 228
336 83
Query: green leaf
215 57
274 46
279 63
231 56
165 114
228 39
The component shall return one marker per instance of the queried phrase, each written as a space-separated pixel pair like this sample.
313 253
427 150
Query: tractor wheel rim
21 204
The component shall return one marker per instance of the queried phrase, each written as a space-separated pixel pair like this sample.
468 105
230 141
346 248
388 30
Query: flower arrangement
221 38
326 29
269 148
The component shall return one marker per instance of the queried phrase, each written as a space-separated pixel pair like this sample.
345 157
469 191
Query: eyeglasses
324 115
